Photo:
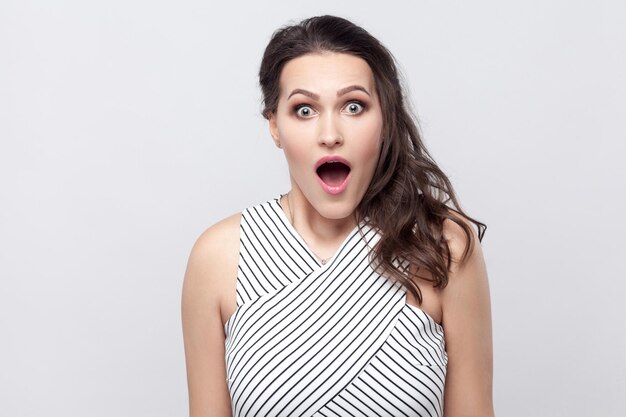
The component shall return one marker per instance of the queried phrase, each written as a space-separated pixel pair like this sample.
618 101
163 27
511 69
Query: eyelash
300 106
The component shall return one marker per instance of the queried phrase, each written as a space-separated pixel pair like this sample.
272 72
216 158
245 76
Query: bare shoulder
468 275
459 241
207 297
466 310
212 266
217 243
224 232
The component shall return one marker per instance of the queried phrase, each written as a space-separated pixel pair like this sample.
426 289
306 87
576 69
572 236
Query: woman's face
329 122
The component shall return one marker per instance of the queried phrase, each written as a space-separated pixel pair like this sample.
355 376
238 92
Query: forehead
318 72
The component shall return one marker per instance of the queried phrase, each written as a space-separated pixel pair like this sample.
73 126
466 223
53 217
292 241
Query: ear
274 130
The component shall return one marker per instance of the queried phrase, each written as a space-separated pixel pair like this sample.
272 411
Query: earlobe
274 130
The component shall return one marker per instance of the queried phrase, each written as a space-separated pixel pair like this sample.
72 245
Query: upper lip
331 158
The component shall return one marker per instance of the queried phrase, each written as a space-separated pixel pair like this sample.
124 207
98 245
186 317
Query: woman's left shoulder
466 294
461 241
466 309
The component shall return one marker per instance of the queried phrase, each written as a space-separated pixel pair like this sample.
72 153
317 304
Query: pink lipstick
333 173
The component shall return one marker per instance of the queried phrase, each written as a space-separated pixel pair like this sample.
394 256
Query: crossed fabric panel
325 340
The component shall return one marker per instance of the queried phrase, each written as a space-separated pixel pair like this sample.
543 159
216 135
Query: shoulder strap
269 255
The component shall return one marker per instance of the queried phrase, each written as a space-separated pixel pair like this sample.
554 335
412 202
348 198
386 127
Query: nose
330 132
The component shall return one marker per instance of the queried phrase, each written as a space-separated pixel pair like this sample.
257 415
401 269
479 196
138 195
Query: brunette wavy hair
407 199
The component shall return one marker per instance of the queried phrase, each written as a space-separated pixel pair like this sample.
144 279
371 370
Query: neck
323 235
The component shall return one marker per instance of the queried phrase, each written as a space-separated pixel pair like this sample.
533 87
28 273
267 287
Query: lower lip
334 190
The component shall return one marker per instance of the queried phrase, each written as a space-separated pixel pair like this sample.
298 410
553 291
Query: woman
359 292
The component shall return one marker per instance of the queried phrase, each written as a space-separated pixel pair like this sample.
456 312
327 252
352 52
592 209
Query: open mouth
333 173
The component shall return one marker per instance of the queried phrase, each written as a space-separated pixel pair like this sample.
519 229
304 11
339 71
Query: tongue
333 173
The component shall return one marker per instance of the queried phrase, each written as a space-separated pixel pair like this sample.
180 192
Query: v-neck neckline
287 224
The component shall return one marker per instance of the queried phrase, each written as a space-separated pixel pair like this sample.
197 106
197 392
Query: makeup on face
333 173
329 123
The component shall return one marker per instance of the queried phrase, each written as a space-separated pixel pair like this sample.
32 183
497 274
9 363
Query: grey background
128 127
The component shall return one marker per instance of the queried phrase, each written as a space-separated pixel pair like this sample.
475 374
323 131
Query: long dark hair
408 195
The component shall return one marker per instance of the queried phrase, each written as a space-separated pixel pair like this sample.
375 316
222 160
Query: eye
355 107
304 111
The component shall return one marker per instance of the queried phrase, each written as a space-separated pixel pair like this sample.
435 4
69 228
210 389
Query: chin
336 210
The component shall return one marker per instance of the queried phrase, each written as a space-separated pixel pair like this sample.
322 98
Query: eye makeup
305 110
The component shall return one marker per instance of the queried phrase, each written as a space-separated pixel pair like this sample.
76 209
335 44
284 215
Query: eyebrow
351 88
339 92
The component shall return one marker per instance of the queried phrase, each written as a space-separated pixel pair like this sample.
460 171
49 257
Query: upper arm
467 323
209 278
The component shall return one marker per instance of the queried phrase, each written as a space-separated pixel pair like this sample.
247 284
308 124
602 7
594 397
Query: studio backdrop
129 127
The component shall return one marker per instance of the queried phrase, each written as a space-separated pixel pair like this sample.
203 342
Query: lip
339 188
331 158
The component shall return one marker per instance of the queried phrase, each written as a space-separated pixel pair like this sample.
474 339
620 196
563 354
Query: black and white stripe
325 340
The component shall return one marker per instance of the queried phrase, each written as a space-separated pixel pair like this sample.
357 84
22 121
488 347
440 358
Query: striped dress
327 340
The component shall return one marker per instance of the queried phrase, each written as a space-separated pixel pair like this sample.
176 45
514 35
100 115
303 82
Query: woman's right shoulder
212 267
208 299
218 237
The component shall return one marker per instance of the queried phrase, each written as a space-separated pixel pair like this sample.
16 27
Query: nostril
331 139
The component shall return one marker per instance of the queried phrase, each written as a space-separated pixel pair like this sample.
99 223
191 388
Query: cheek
370 139
296 160
291 139
296 151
